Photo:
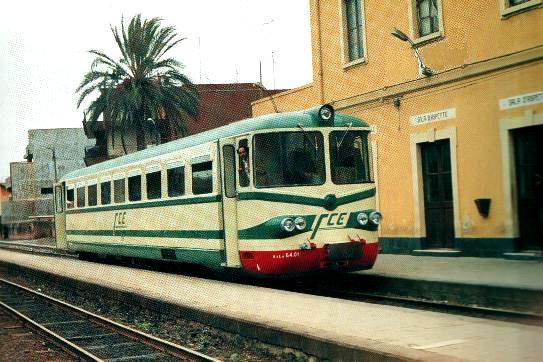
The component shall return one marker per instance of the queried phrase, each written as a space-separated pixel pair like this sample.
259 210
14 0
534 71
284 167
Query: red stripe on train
302 261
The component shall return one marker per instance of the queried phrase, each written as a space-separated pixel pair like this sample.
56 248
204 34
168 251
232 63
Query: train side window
119 192
80 196
229 156
176 181
202 178
105 193
134 188
70 198
92 191
154 187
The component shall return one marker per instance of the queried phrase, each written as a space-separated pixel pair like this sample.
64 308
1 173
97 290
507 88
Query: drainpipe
319 51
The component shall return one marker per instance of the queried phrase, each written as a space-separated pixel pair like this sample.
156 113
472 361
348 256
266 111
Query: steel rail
439 306
170 348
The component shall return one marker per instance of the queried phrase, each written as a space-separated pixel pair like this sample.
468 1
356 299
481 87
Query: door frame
509 172
60 215
432 135
229 209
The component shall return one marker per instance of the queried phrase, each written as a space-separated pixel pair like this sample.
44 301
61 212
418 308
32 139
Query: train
280 194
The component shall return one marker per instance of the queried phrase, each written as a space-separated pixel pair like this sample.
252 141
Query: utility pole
54 161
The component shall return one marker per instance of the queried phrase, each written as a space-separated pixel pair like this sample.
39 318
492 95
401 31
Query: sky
44 52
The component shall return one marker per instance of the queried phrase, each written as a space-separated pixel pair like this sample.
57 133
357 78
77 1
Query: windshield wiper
343 137
314 143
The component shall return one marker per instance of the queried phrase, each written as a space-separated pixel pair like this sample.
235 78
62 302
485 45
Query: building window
427 17
202 178
105 193
92 191
176 181
154 189
119 192
353 26
81 196
46 190
511 7
134 188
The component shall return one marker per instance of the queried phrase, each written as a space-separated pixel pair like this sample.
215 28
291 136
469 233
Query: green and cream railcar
278 194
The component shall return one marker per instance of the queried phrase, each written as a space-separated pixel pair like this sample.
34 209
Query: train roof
307 119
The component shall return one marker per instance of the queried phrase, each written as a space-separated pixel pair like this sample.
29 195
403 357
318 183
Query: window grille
427 17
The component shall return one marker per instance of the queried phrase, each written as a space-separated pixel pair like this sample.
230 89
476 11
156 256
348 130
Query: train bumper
329 257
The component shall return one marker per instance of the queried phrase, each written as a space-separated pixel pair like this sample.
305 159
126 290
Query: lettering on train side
330 221
286 255
119 222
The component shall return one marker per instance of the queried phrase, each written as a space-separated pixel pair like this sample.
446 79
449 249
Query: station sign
441 115
521 100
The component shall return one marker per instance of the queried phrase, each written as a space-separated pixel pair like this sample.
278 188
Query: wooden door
438 200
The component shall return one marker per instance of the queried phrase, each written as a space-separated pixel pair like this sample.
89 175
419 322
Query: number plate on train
345 251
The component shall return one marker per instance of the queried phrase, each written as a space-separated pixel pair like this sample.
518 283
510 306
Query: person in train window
243 166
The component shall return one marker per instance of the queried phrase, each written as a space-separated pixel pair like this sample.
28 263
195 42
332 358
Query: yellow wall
480 58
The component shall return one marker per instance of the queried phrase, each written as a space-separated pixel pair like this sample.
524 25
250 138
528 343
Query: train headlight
375 217
326 112
300 223
362 218
288 225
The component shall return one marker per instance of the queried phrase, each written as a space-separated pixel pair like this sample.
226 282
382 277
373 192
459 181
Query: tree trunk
140 137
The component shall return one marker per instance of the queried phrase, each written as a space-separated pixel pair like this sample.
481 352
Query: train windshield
349 157
289 159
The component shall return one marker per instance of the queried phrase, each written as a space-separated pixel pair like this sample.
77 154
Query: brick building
220 104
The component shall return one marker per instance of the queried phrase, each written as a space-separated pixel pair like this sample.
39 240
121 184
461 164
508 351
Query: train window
80 196
70 199
289 159
119 192
105 193
244 163
154 188
229 156
176 181
349 157
134 188
92 194
202 178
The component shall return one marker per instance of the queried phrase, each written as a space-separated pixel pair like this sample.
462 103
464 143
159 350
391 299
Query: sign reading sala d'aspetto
433 116
521 100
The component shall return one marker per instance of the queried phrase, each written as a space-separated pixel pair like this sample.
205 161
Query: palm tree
140 87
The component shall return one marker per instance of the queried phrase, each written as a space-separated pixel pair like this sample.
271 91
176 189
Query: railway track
86 335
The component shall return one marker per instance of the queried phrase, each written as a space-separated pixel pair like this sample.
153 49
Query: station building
458 131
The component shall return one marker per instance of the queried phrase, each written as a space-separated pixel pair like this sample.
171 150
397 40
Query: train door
60 216
529 177
229 202
438 196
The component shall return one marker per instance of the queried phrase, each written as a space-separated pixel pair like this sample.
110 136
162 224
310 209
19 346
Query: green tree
142 86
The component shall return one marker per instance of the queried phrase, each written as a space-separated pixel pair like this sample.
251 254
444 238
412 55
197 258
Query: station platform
321 326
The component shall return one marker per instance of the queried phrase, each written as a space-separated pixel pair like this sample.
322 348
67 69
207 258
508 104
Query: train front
310 205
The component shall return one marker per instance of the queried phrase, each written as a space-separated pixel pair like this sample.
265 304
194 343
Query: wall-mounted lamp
423 69
483 206
397 102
